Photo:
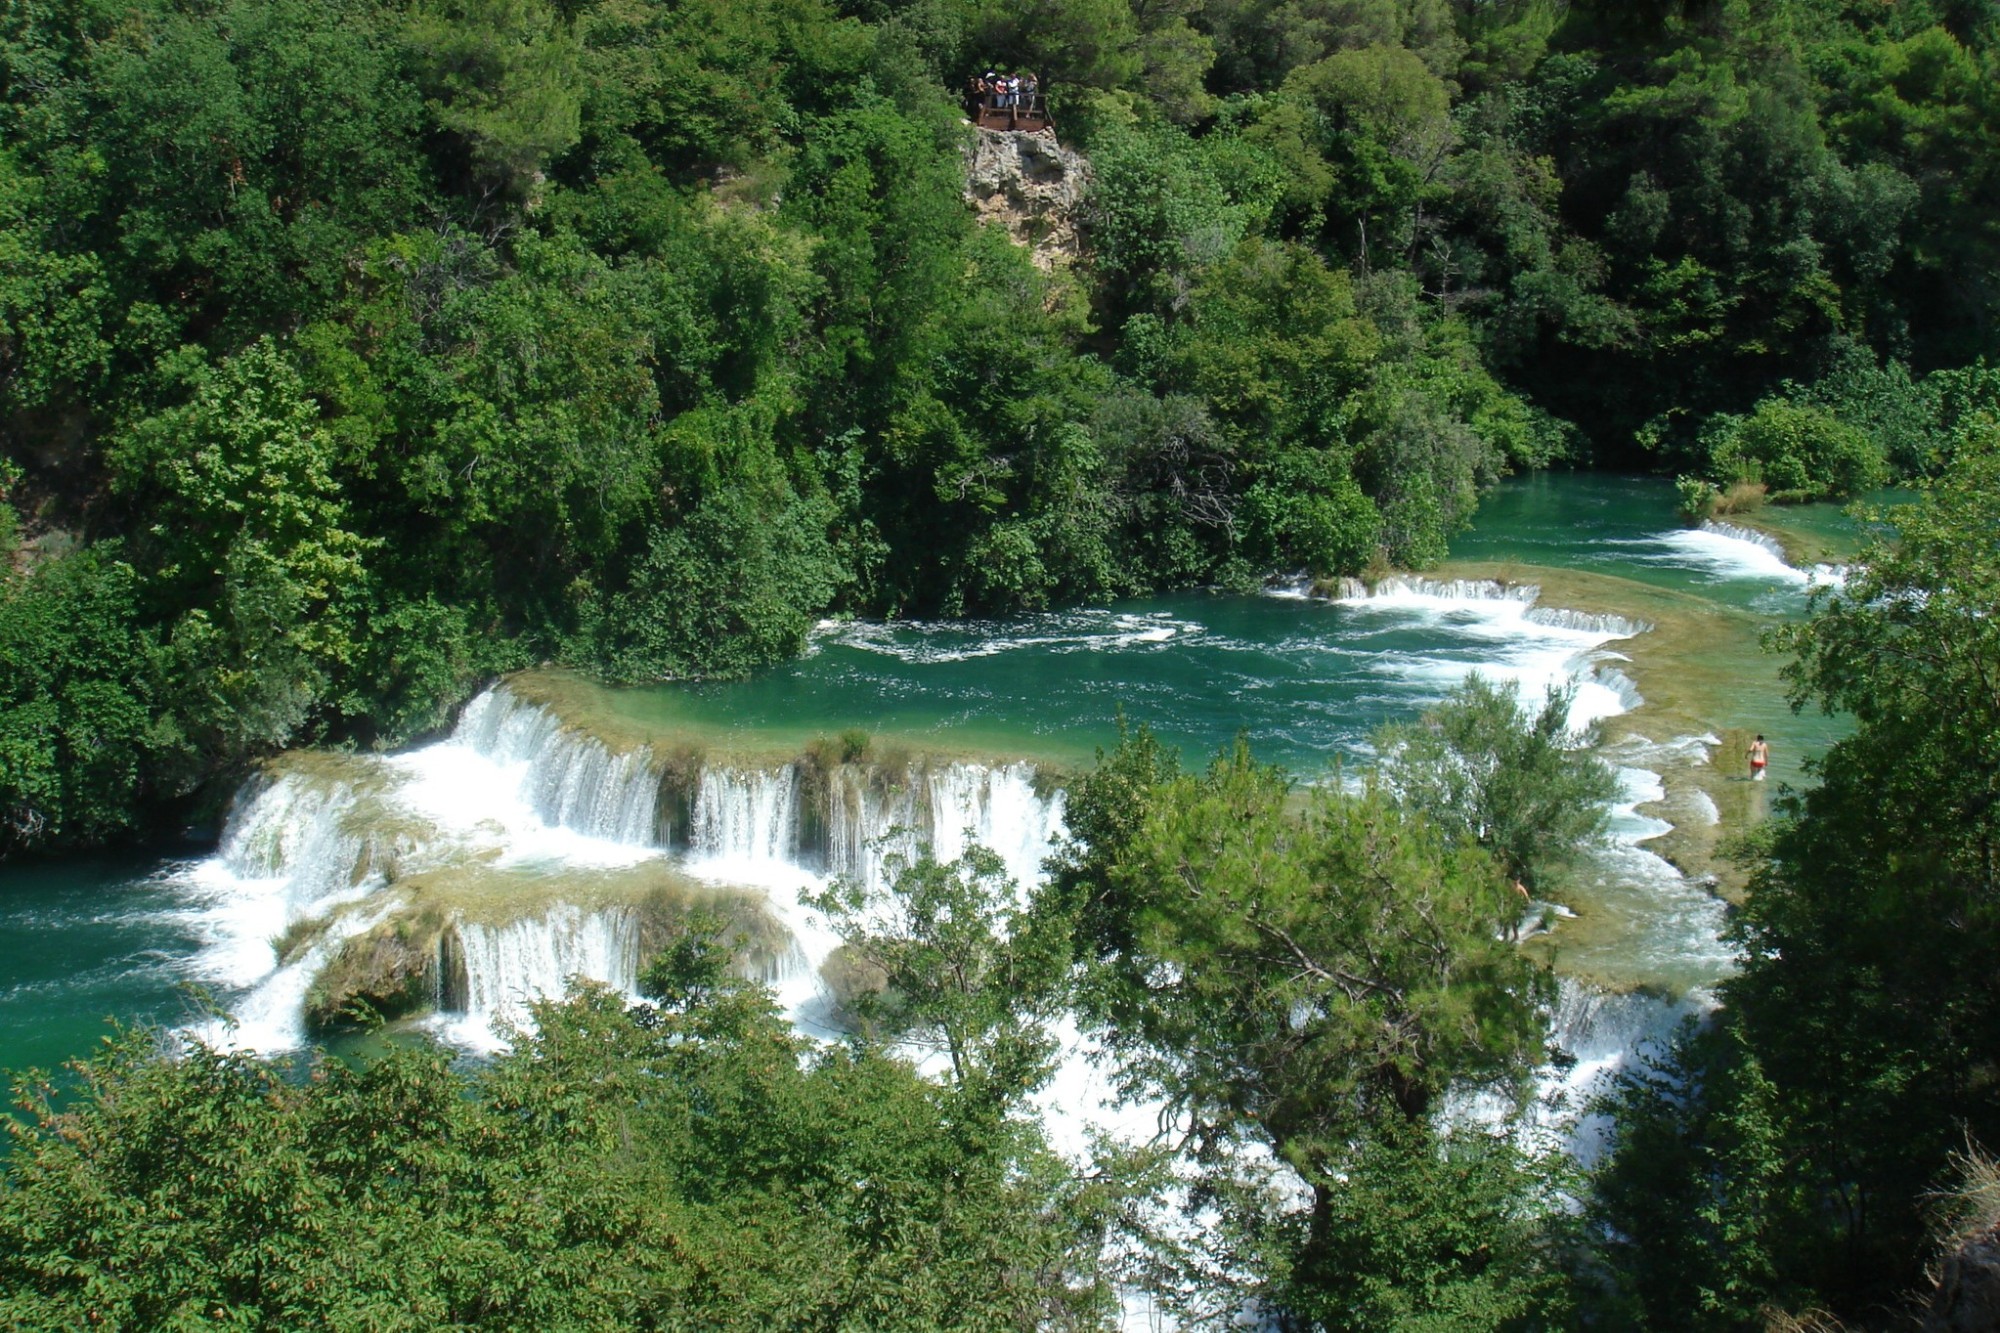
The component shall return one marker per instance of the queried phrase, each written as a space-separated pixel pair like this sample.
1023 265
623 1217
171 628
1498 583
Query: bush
721 591
79 741
1491 771
1800 452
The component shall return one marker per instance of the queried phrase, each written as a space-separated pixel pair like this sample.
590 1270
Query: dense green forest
353 351
350 352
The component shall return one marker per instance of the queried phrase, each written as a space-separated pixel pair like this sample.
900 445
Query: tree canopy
388 346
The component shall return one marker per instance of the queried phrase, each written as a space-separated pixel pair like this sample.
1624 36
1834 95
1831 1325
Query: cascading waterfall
502 967
515 786
1734 532
296 846
872 816
1606 1032
1407 587
747 818
1620 685
1587 622
296 830
573 780
1000 809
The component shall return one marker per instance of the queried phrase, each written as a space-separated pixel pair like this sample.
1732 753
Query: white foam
1727 551
507 966
269 1018
514 788
1530 648
1087 630
1290 587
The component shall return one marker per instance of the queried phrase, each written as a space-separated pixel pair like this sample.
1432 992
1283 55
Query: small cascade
1620 685
867 811
1587 622
296 828
746 817
496 970
573 780
872 816
1605 1033
1406 587
270 1017
1729 551
1734 532
999 809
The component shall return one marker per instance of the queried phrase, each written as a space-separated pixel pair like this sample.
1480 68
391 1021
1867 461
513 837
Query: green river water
1306 680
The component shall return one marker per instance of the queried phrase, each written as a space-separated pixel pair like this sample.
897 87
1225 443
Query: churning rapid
561 828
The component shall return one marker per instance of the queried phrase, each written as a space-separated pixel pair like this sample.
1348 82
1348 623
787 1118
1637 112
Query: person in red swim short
1760 758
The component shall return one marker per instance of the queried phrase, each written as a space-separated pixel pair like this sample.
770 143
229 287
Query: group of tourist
1002 92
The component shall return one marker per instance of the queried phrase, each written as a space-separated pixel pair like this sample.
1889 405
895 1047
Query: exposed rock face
1033 186
1967 1299
390 971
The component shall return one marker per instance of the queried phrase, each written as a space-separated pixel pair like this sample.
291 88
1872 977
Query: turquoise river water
1655 625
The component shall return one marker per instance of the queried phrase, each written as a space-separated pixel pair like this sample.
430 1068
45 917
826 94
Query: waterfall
500 968
872 815
1620 685
573 780
746 817
297 829
1588 622
999 809
329 840
1734 532
1606 1032
1404 587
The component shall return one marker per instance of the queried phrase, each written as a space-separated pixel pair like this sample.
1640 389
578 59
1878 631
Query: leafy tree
1437 1228
250 536
1800 452
501 75
961 966
1491 772
1315 976
1708 1220
1861 1030
720 591
684 1164
83 733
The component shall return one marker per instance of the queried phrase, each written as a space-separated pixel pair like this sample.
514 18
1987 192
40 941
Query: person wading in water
1760 758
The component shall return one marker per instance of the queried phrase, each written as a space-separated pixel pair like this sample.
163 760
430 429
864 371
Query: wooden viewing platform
1022 114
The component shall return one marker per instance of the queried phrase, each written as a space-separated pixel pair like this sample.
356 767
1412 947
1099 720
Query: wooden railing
1026 114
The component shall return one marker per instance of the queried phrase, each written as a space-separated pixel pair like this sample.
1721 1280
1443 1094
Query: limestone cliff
1033 186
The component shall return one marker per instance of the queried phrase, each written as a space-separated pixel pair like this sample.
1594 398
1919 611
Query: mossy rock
388 972
851 979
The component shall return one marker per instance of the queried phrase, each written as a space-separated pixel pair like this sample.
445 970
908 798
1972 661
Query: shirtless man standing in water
1760 758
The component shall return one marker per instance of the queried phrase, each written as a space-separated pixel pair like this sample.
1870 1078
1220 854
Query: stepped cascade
330 851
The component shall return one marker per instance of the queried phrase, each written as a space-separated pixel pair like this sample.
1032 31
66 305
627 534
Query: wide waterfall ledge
464 879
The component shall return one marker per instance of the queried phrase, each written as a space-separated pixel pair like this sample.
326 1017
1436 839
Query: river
553 790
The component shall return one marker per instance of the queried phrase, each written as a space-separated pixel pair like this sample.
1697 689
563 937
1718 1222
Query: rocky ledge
1033 186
